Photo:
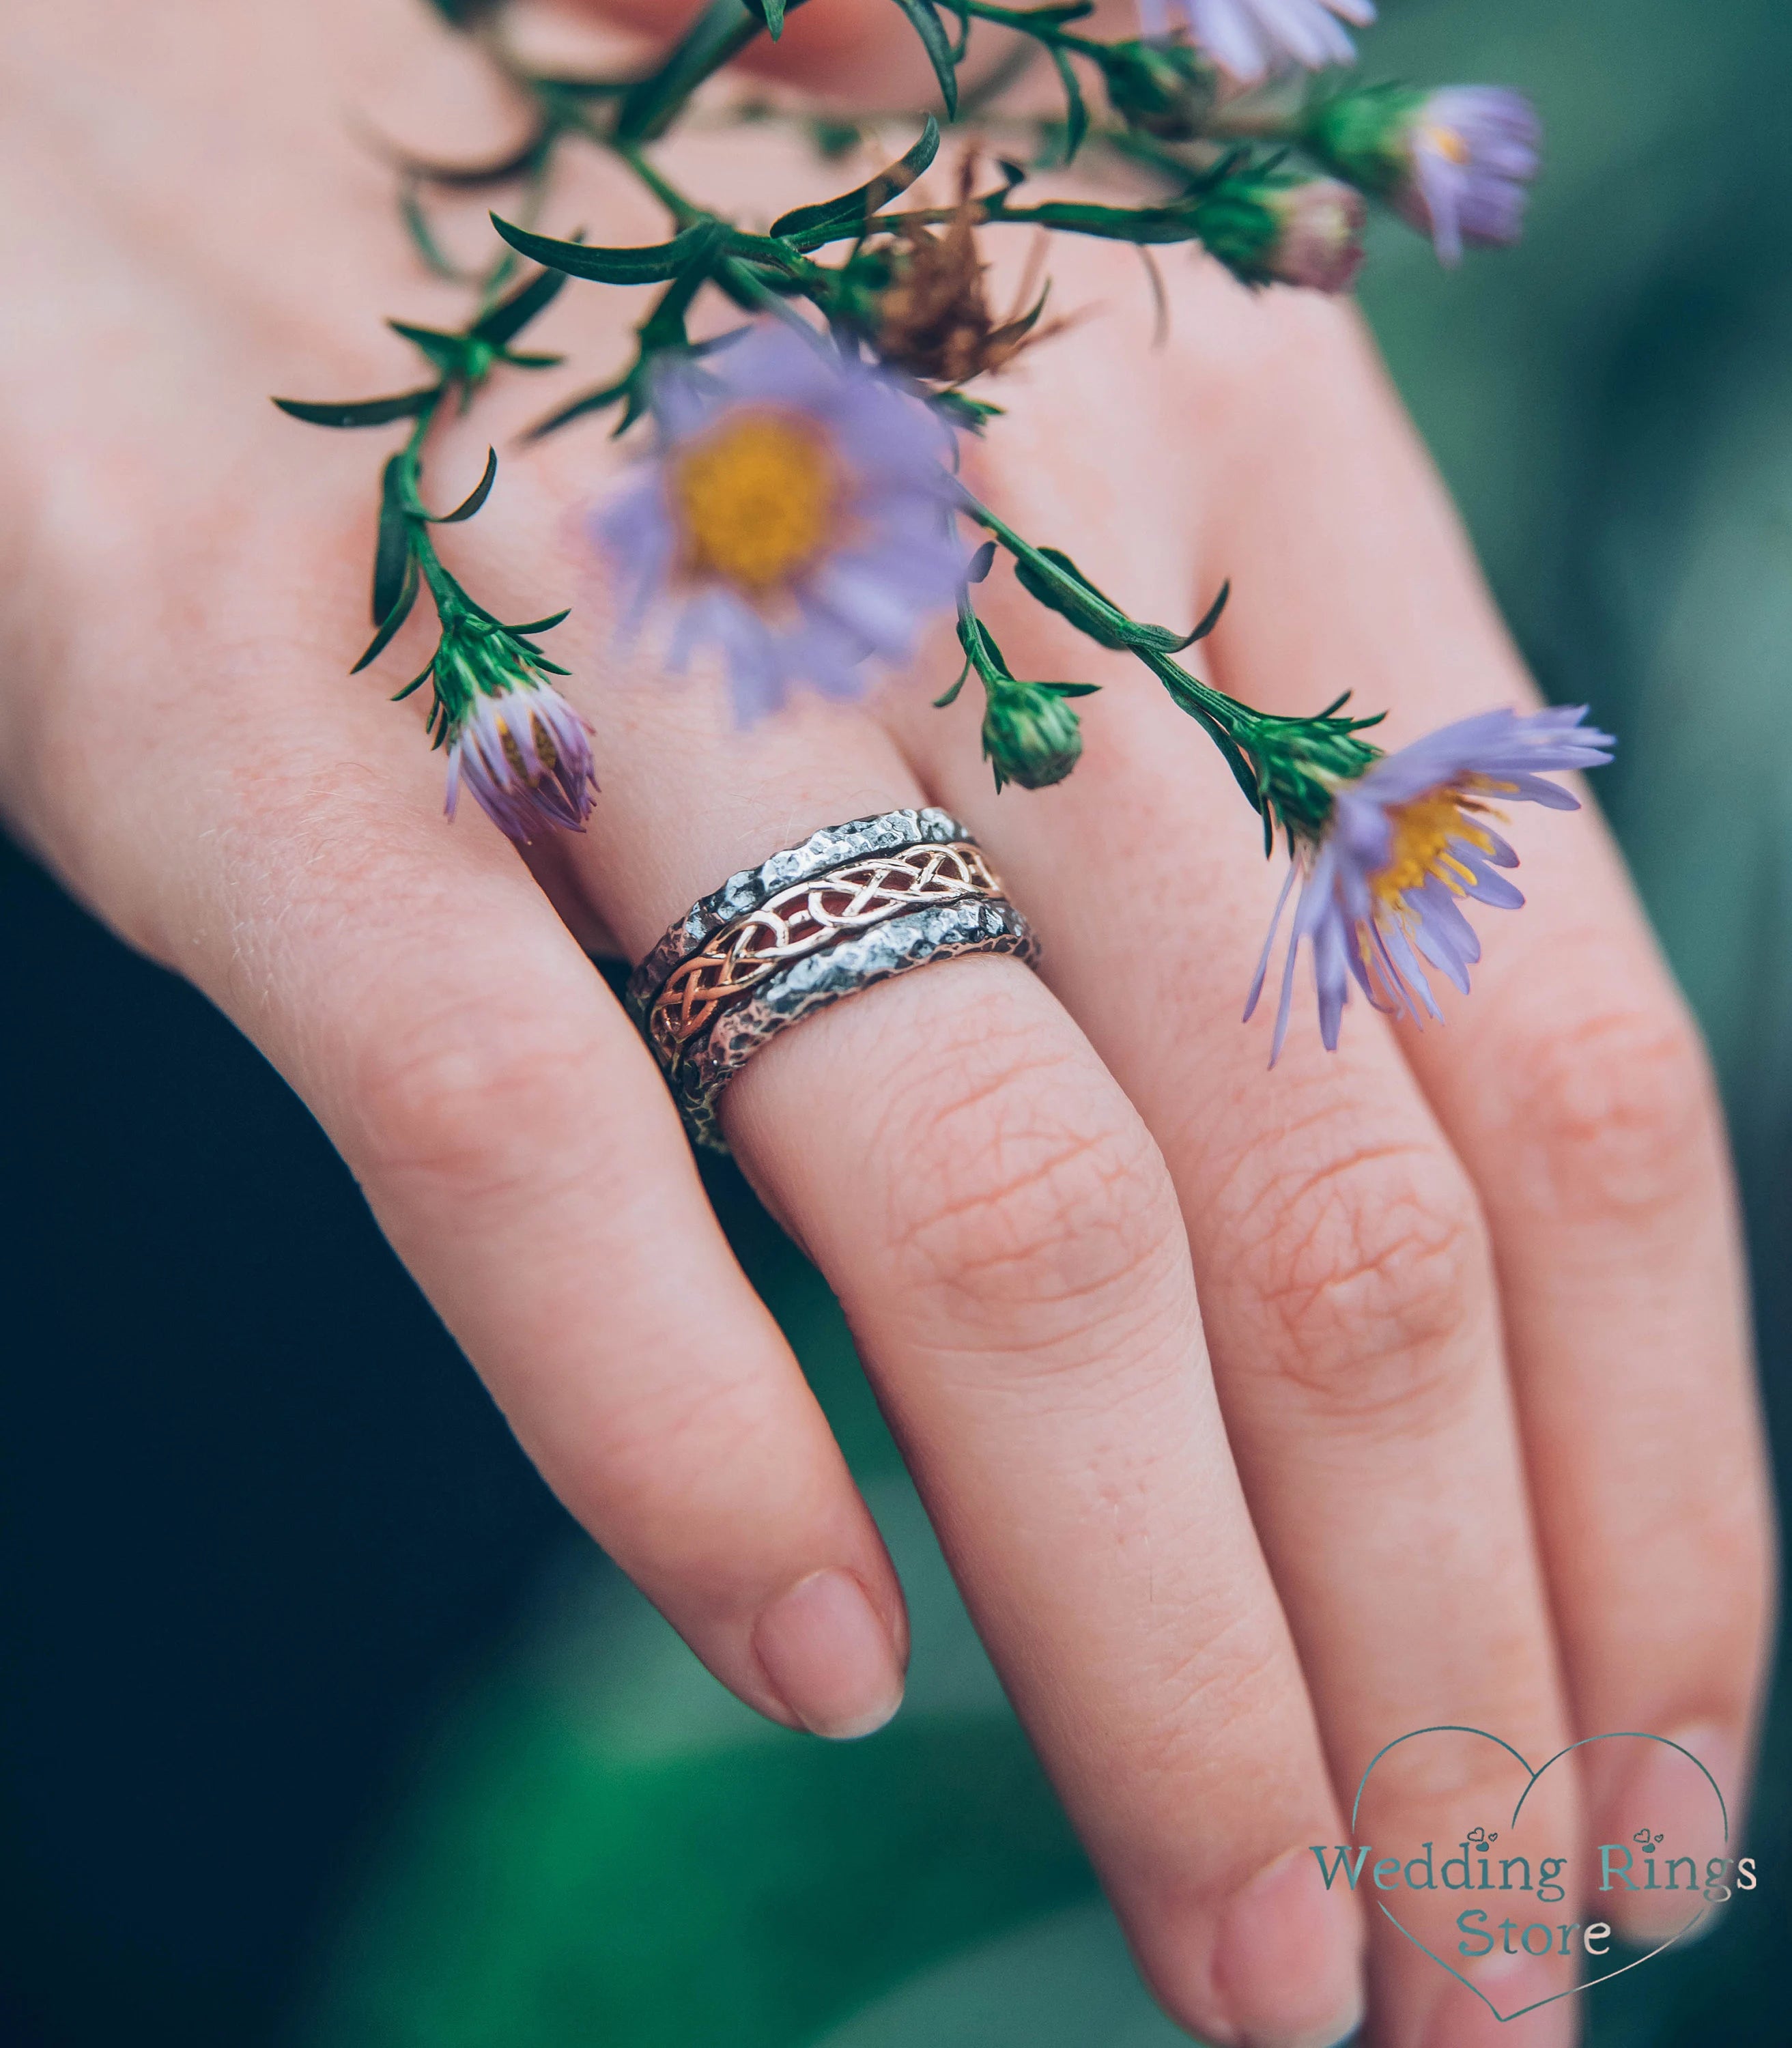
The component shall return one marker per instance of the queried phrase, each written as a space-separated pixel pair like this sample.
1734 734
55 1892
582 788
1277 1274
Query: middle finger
1343 1271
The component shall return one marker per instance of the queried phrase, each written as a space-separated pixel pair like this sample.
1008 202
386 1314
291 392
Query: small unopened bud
1165 89
1273 230
1321 244
1030 735
513 742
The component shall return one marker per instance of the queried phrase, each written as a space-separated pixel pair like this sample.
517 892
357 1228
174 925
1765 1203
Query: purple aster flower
525 756
1472 151
1380 887
1249 37
797 513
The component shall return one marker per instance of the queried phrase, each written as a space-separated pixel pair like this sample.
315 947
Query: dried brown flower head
934 318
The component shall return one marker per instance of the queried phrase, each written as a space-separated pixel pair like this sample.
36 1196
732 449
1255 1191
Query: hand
1476 1442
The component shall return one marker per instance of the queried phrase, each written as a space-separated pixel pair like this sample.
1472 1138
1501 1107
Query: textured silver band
699 1067
972 926
834 846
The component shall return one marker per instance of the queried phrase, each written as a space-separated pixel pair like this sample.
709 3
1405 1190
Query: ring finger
1006 1241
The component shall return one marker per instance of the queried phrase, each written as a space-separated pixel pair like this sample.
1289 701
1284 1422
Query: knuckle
1372 1267
1619 1112
470 1102
1025 1200
1455 1771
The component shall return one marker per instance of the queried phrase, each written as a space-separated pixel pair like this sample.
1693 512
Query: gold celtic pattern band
853 905
802 919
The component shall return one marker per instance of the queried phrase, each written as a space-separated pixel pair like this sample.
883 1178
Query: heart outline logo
1614 1734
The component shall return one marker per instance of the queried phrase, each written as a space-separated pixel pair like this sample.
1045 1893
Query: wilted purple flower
797 512
1249 37
526 759
1471 152
1405 840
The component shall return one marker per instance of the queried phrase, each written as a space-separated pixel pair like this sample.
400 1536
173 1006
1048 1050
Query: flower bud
1030 735
513 742
1321 244
1164 89
1269 230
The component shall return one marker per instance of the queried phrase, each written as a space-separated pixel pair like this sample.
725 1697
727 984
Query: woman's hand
1264 1416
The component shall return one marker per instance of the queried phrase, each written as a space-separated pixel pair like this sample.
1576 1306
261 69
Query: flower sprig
802 511
518 745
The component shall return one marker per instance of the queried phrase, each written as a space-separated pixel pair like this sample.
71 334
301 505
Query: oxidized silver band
854 905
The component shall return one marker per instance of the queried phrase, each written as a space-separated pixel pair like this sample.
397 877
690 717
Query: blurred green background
321 1727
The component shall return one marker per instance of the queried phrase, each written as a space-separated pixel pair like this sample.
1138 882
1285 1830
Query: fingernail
1286 1968
829 1656
1459 2019
1659 1791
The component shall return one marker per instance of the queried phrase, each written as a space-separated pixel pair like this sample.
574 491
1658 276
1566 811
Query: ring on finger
855 904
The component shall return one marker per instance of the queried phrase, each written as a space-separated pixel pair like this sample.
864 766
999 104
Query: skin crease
1263 1417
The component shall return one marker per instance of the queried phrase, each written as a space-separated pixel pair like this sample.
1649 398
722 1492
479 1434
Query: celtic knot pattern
804 919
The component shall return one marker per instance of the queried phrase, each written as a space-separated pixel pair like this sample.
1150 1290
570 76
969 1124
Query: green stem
1051 34
444 592
719 33
686 212
1238 721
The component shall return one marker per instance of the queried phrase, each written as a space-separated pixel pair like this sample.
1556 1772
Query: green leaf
979 646
1072 689
576 409
973 414
851 209
771 13
540 625
950 695
1210 618
980 563
392 559
934 40
446 351
361 412
1076 108
416 683
1113 223
469 177
1094 613
507 319
652 265
480 492
394 618
1091 611
436 260
722 31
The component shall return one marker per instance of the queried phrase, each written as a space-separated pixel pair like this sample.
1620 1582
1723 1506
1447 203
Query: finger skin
1343 1263
1005 1239
508 1127
1574 1088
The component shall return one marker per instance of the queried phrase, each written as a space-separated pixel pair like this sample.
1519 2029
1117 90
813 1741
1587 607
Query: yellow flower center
546 751
758 498
1446 142
1422 830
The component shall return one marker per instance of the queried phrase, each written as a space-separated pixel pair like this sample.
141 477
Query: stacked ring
853 905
